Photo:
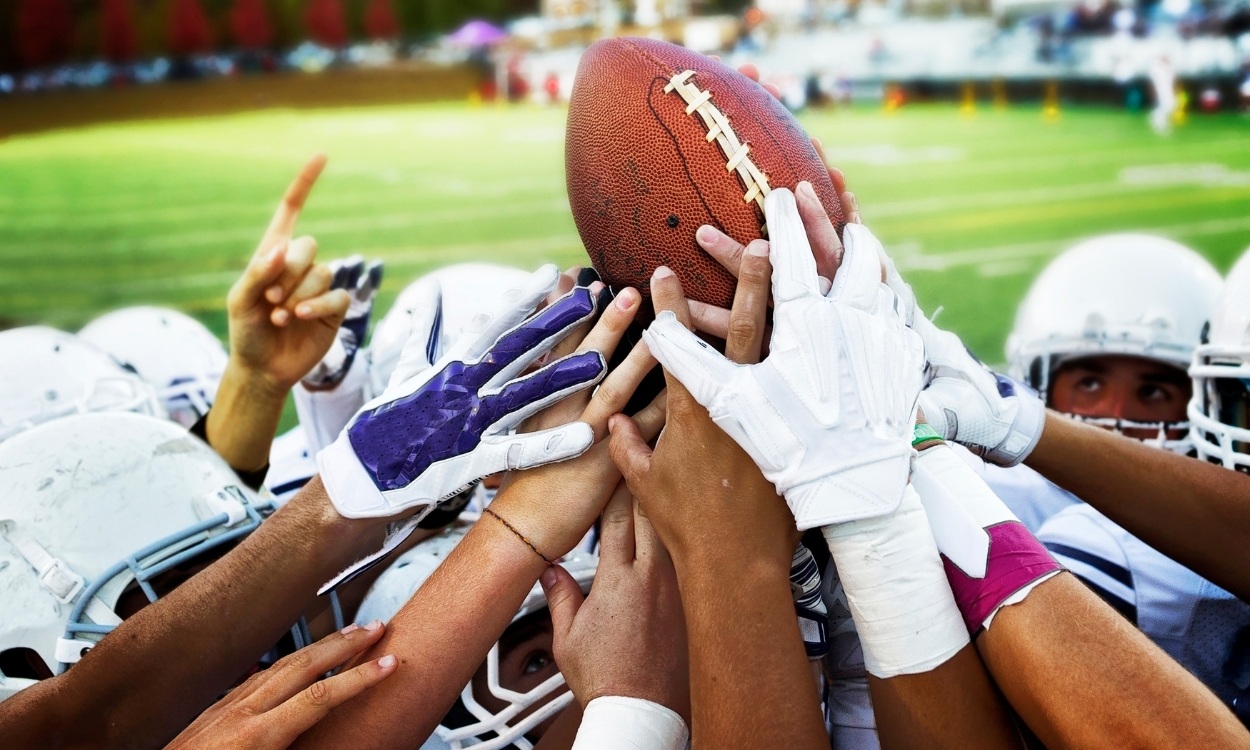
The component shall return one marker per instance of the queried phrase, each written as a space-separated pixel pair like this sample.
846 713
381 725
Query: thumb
262 271
628 450
564 599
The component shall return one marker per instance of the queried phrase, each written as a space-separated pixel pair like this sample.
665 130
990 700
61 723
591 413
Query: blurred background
144 143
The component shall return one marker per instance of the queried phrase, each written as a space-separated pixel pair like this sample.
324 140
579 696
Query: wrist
259 386
620 723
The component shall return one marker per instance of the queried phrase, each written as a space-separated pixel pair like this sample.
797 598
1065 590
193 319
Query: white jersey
1030 496
1205 628
291 465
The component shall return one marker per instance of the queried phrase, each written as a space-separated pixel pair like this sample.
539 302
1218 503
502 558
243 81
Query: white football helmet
174 352
485 729
467 289
95 508
1119 294
1220 408
46 373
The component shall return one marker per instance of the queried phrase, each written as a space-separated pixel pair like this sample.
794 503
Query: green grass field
167 212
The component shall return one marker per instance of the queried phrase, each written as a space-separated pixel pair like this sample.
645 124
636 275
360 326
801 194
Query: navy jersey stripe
290 486
1129 611
1117 572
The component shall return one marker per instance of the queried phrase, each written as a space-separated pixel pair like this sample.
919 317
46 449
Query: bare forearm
750 684
1082 676
1193 512
244 418
441 637
953 706
149 678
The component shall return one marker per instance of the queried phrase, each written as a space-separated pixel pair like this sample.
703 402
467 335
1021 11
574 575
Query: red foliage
380 20
45 31
249 24
189 29
327 24
119 41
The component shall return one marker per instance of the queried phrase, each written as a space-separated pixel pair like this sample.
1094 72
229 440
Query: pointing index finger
283 223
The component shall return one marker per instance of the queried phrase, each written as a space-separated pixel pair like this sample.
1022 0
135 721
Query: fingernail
303 311
663 272
612 423
596 287
274 294
387 662
758 248
350 628
627 298
706 234
825 284
373 625
807 191
280 317
548 578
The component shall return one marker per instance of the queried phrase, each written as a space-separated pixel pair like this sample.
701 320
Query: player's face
1122 387
524 664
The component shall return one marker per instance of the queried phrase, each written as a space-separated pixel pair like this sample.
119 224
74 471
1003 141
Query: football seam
685 166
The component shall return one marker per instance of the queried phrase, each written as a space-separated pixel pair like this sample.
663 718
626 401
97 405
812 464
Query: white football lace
719 130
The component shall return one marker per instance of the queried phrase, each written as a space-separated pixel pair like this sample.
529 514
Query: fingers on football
750 71
311 705
709 319
614 319
794 268
821 234
859 279
616 529
688 362
282 226
667 294
617 388
723 248
298 670
745 334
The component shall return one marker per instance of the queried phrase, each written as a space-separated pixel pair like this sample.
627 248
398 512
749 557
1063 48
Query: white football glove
992 415
828 415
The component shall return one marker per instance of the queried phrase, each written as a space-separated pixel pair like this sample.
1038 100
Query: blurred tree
249 24
326 23
45 32
119 42
380 20
189 30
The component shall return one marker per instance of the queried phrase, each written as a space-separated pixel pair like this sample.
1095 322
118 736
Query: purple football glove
438 428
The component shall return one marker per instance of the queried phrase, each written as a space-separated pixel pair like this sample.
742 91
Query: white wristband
619 723
897 590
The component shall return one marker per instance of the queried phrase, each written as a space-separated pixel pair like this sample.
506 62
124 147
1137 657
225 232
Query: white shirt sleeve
619 723
324 414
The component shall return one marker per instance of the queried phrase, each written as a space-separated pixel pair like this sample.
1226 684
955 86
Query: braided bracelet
519 535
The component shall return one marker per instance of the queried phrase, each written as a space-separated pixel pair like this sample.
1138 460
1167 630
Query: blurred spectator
327 24
119 40
45 32
380 21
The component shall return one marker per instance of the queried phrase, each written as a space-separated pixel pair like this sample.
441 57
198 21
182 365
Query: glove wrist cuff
1023 435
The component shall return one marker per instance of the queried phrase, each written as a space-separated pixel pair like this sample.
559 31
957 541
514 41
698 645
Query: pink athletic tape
1016 559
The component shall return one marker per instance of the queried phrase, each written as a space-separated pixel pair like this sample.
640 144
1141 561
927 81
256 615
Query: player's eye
1089 384
536 662
1154 393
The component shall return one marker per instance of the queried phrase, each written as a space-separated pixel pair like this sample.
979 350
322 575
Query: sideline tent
477 34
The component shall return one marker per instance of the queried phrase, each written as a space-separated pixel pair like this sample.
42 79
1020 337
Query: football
662 140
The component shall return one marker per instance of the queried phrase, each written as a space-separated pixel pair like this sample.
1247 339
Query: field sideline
168 211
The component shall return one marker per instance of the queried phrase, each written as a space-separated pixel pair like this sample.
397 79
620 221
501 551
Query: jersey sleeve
1081 540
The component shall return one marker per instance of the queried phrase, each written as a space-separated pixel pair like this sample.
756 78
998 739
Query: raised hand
828 415
275 706
361 280
283 314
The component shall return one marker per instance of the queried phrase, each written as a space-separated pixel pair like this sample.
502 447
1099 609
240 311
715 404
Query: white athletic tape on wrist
894 581
620 723
990 558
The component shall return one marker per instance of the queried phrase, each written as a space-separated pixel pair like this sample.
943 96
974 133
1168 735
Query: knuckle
299 660
318 694
743 327
618 516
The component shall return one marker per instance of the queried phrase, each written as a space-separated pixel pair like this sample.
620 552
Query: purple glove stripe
1016 559
562 315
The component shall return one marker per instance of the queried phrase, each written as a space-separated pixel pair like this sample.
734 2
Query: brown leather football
662 140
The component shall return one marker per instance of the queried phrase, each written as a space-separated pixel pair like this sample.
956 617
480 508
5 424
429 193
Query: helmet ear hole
23 663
